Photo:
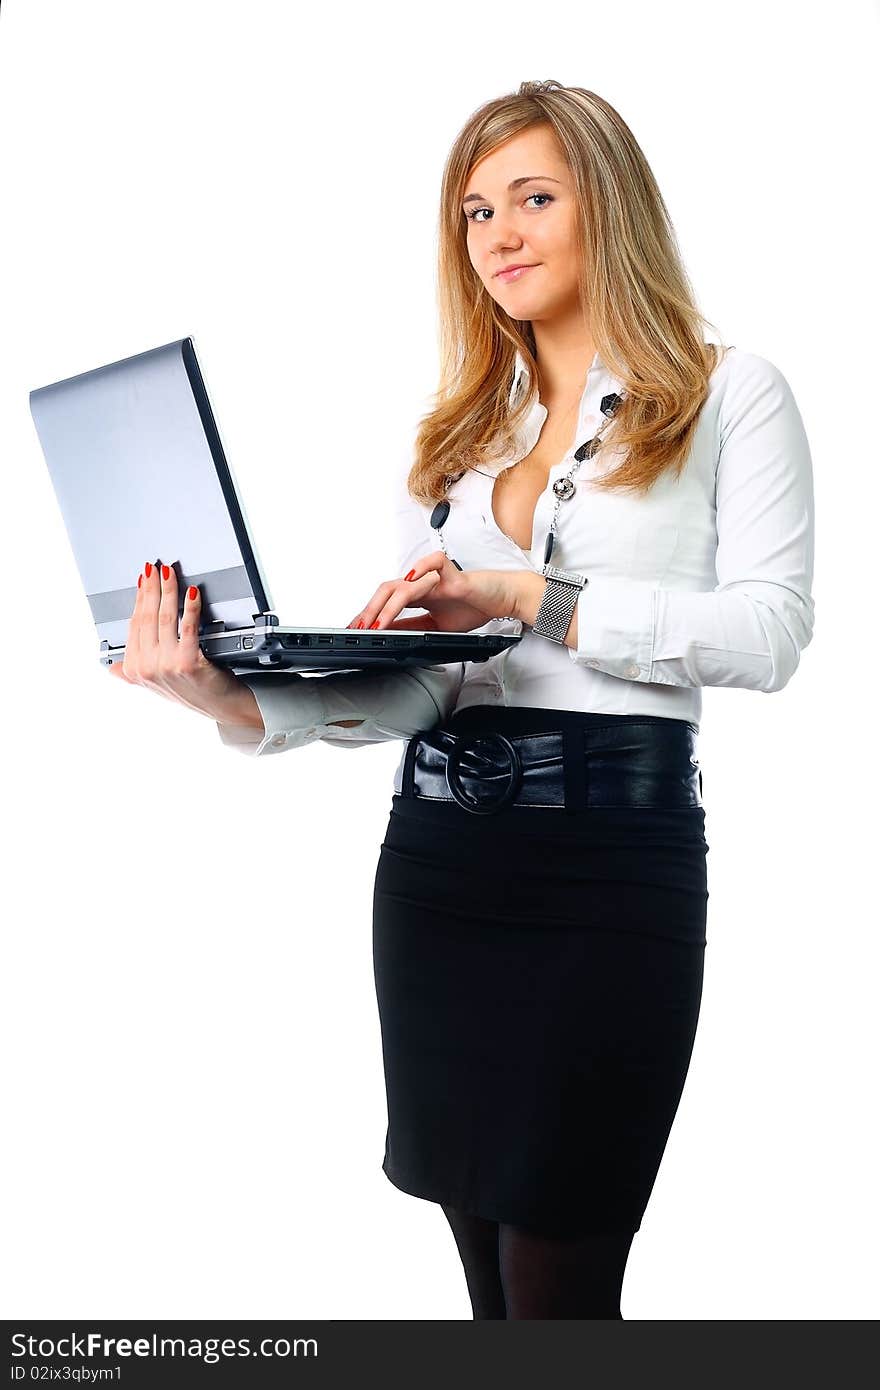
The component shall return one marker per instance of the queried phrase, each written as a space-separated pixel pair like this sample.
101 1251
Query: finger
190 650
148 631
167 617
419 622
435 561
379 597
405 595
132 641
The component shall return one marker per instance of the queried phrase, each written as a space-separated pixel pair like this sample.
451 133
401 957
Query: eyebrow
528 178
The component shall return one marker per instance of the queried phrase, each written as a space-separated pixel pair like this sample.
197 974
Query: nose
506 246
503 237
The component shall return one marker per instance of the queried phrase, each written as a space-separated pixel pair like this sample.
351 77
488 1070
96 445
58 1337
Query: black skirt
539 977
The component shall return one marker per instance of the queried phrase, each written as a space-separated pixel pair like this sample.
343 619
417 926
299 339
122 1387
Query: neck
564 353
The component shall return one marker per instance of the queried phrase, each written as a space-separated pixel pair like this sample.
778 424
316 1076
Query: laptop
135 457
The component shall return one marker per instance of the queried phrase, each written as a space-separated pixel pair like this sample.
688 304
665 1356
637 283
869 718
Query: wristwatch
558 603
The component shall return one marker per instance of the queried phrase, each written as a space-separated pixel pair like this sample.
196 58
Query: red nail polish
359 623
375 624
193 591
148 569
410 575
140 577
166 573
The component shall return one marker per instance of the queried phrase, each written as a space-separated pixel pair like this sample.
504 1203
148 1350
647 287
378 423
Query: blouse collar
521 372
531 427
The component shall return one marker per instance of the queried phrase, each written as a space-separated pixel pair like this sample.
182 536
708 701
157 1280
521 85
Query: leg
477 1241
562 1276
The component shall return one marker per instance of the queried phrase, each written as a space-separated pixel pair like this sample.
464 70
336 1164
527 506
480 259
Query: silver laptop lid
140 474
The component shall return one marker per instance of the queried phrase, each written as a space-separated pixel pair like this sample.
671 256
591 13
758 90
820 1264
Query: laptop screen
139 470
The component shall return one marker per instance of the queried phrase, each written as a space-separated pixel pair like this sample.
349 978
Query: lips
512 272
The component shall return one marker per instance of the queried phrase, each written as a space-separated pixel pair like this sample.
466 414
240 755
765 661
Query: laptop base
267 645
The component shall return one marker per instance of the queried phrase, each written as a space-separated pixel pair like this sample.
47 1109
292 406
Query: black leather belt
629 762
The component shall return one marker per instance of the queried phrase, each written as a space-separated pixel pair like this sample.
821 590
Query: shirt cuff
292 710
616 627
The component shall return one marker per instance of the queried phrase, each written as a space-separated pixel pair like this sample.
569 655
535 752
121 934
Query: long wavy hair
639 304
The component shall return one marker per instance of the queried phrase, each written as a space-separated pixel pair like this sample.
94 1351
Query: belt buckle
508 792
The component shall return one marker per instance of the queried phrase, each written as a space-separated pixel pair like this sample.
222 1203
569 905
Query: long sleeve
751 628
393 704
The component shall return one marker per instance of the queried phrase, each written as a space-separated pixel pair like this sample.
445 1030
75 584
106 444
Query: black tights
515 1273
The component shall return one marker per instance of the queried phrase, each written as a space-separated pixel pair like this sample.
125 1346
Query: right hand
176 667
458 600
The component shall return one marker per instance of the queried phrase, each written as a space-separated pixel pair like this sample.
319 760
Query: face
532 223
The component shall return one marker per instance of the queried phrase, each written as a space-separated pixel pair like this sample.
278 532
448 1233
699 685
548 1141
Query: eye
472 216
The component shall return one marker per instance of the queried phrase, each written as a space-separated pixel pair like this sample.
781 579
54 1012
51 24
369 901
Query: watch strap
558 603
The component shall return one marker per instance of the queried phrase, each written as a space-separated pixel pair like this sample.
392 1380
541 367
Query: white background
192 1077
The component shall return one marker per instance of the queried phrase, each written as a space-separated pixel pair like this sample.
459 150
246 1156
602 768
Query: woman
636 505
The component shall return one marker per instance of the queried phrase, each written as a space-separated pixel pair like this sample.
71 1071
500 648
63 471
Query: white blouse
705 580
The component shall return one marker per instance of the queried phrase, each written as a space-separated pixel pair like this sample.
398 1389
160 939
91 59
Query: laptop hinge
213 628
218 625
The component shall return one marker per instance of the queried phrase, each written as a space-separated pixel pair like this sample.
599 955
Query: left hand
457 600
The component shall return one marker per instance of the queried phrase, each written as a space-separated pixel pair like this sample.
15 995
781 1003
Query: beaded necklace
563 488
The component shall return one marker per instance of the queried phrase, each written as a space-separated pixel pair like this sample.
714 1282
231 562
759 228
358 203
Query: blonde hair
642 312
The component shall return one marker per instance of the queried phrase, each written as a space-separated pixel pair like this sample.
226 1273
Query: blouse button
278 739
592 661
632 671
